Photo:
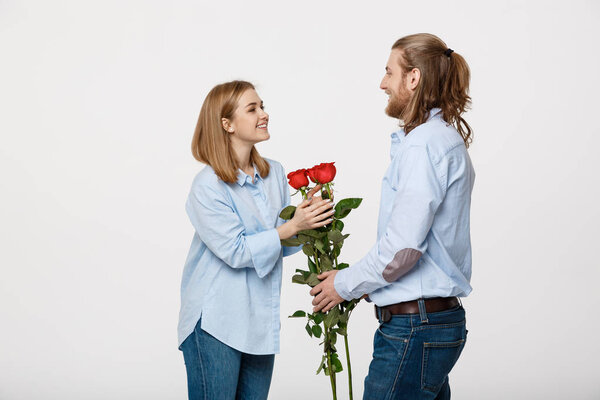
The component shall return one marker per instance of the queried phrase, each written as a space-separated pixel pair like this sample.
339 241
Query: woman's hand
310 214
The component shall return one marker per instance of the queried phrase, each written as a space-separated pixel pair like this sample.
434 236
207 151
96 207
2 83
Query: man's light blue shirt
232 275
423 246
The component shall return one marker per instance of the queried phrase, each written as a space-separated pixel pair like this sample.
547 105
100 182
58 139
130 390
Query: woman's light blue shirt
423 246
232 275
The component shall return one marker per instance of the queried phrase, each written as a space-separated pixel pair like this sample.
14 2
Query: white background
98 103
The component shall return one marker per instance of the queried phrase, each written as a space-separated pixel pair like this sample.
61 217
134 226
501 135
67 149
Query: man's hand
325 295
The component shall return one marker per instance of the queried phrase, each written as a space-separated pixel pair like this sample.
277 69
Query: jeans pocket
389 337
389 350
393 333
438 360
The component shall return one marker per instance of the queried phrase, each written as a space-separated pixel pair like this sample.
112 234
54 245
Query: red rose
322 173
311 172
298 179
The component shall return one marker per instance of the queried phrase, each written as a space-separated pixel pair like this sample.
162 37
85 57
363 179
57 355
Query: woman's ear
227 125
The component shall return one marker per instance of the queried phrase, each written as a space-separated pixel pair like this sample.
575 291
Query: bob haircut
211 143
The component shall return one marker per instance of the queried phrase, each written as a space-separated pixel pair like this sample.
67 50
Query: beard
396 107
397 104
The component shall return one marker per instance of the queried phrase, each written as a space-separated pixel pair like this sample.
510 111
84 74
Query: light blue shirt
423 246
232 275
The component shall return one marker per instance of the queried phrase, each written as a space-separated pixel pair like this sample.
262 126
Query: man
421 262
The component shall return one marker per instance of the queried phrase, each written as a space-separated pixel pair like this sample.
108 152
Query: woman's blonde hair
444 82
211 143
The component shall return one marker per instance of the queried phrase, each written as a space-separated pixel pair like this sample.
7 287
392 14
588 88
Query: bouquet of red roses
322 247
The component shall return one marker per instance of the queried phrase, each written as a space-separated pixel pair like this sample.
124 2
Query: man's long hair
444 82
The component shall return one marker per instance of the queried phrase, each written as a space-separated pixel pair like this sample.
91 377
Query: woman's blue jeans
216 371
413 355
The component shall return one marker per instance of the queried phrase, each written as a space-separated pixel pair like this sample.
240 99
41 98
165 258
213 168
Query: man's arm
417 198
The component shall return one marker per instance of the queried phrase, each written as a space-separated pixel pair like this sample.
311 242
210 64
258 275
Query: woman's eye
252 110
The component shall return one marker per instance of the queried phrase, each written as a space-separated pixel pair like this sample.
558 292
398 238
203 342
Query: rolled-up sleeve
418 194
221 229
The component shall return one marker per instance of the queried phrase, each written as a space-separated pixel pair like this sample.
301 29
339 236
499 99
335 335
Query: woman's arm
221 229
219 226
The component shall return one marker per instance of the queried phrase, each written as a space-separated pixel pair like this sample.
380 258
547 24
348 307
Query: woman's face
250 121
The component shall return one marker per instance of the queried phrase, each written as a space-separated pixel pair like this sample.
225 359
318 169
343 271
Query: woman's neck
242 156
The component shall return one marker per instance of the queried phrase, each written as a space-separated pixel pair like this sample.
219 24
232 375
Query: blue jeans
413 355
216 371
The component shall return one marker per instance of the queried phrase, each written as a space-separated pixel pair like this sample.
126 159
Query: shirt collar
242 177
435 112
399 135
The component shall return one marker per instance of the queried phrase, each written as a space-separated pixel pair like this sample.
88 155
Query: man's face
394 83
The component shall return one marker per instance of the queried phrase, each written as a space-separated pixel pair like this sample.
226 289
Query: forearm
364 277
385 263
287 230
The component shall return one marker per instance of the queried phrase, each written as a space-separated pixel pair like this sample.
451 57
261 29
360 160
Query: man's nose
383 84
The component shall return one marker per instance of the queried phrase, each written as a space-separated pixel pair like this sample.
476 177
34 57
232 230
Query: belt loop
459 302
423 311
382 314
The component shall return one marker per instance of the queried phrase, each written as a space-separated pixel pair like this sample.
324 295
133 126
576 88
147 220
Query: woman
229 319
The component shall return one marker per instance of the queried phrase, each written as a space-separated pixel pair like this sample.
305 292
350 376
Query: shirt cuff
288 251
265 248
339 283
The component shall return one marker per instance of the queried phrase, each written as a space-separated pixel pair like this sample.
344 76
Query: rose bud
297 179
324 172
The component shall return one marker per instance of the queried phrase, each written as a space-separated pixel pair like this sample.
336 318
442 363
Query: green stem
317 264
348 364
328 188
329 366
303 191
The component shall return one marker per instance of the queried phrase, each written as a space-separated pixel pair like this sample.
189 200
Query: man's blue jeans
216 371
413 355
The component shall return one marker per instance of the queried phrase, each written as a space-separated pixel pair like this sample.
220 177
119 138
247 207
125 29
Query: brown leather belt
435 304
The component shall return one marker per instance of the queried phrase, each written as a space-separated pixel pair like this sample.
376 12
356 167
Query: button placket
259 197
263 201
